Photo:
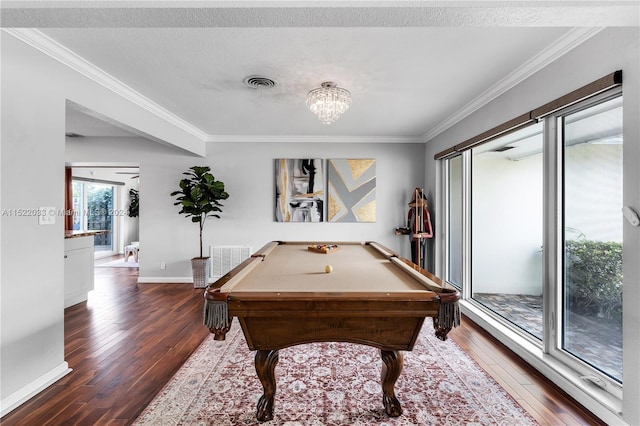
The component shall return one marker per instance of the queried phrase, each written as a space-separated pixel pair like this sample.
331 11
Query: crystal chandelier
328 102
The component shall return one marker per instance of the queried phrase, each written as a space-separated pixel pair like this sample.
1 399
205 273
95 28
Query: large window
534 234
93 206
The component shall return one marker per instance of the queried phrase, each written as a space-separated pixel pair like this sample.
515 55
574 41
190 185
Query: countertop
77 234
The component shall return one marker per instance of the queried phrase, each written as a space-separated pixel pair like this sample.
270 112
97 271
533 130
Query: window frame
117 204
555 315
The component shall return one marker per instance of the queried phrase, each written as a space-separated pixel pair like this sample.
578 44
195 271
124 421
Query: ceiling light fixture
328 102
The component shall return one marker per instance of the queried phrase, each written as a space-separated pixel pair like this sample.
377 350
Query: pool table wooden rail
388 324
437 302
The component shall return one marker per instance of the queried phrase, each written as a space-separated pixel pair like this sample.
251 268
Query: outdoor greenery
199 196
99 206
594 277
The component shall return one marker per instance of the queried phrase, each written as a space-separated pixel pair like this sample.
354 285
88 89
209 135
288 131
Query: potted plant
199 197
134 204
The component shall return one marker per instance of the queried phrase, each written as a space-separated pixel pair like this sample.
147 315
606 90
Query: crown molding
562 46
312 139
55 50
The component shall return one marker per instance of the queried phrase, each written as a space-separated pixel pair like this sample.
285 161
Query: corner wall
35 90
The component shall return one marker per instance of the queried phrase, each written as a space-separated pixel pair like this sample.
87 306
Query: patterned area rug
332 384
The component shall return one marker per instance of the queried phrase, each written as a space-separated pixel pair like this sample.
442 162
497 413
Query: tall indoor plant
199 197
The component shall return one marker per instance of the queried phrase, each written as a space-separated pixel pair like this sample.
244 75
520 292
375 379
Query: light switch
47 216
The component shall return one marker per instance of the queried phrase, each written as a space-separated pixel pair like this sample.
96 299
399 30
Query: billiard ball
328 268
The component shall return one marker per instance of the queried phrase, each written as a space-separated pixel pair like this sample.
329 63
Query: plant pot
200 270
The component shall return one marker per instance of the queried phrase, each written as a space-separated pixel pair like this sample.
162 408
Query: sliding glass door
534 234
506 227
592 146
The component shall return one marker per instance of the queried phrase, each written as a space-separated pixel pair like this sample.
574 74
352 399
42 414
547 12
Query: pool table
283 295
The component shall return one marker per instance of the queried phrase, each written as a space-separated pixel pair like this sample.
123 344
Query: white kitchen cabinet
78 269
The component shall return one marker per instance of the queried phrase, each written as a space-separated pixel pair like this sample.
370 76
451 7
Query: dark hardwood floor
129 339
547 403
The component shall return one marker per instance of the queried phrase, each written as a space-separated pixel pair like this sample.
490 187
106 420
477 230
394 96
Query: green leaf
199 195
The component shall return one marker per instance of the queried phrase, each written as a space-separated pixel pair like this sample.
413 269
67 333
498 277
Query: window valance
601 85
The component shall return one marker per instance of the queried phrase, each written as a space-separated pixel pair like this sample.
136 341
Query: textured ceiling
403 81
413 68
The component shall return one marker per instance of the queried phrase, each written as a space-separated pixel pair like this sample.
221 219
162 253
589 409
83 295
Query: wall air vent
259 82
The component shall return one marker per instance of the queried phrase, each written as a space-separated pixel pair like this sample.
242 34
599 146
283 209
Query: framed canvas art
352 190
299 190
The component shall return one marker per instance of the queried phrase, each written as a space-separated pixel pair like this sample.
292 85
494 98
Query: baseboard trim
74 299
166 280
19 397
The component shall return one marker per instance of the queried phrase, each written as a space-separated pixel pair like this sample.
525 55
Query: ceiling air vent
259 82
503 148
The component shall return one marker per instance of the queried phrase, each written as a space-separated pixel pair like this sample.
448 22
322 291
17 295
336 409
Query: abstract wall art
299 190
352 190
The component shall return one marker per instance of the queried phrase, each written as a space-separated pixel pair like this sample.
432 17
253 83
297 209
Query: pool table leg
266 361
392 362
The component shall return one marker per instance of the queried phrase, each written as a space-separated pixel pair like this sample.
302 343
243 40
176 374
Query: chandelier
328 102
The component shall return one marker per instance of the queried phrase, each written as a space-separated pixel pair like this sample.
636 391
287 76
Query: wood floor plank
127 341
540 418
537 392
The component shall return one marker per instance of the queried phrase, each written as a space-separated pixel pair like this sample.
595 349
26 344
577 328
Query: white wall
507 196
608 51
31 314
35 89
248 217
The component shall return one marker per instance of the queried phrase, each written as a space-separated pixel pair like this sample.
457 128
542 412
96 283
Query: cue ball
328 268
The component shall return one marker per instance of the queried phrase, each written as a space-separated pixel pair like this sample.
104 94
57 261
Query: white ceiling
413 68
80 123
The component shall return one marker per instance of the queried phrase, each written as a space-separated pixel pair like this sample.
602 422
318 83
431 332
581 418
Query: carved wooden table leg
392 362
266 361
